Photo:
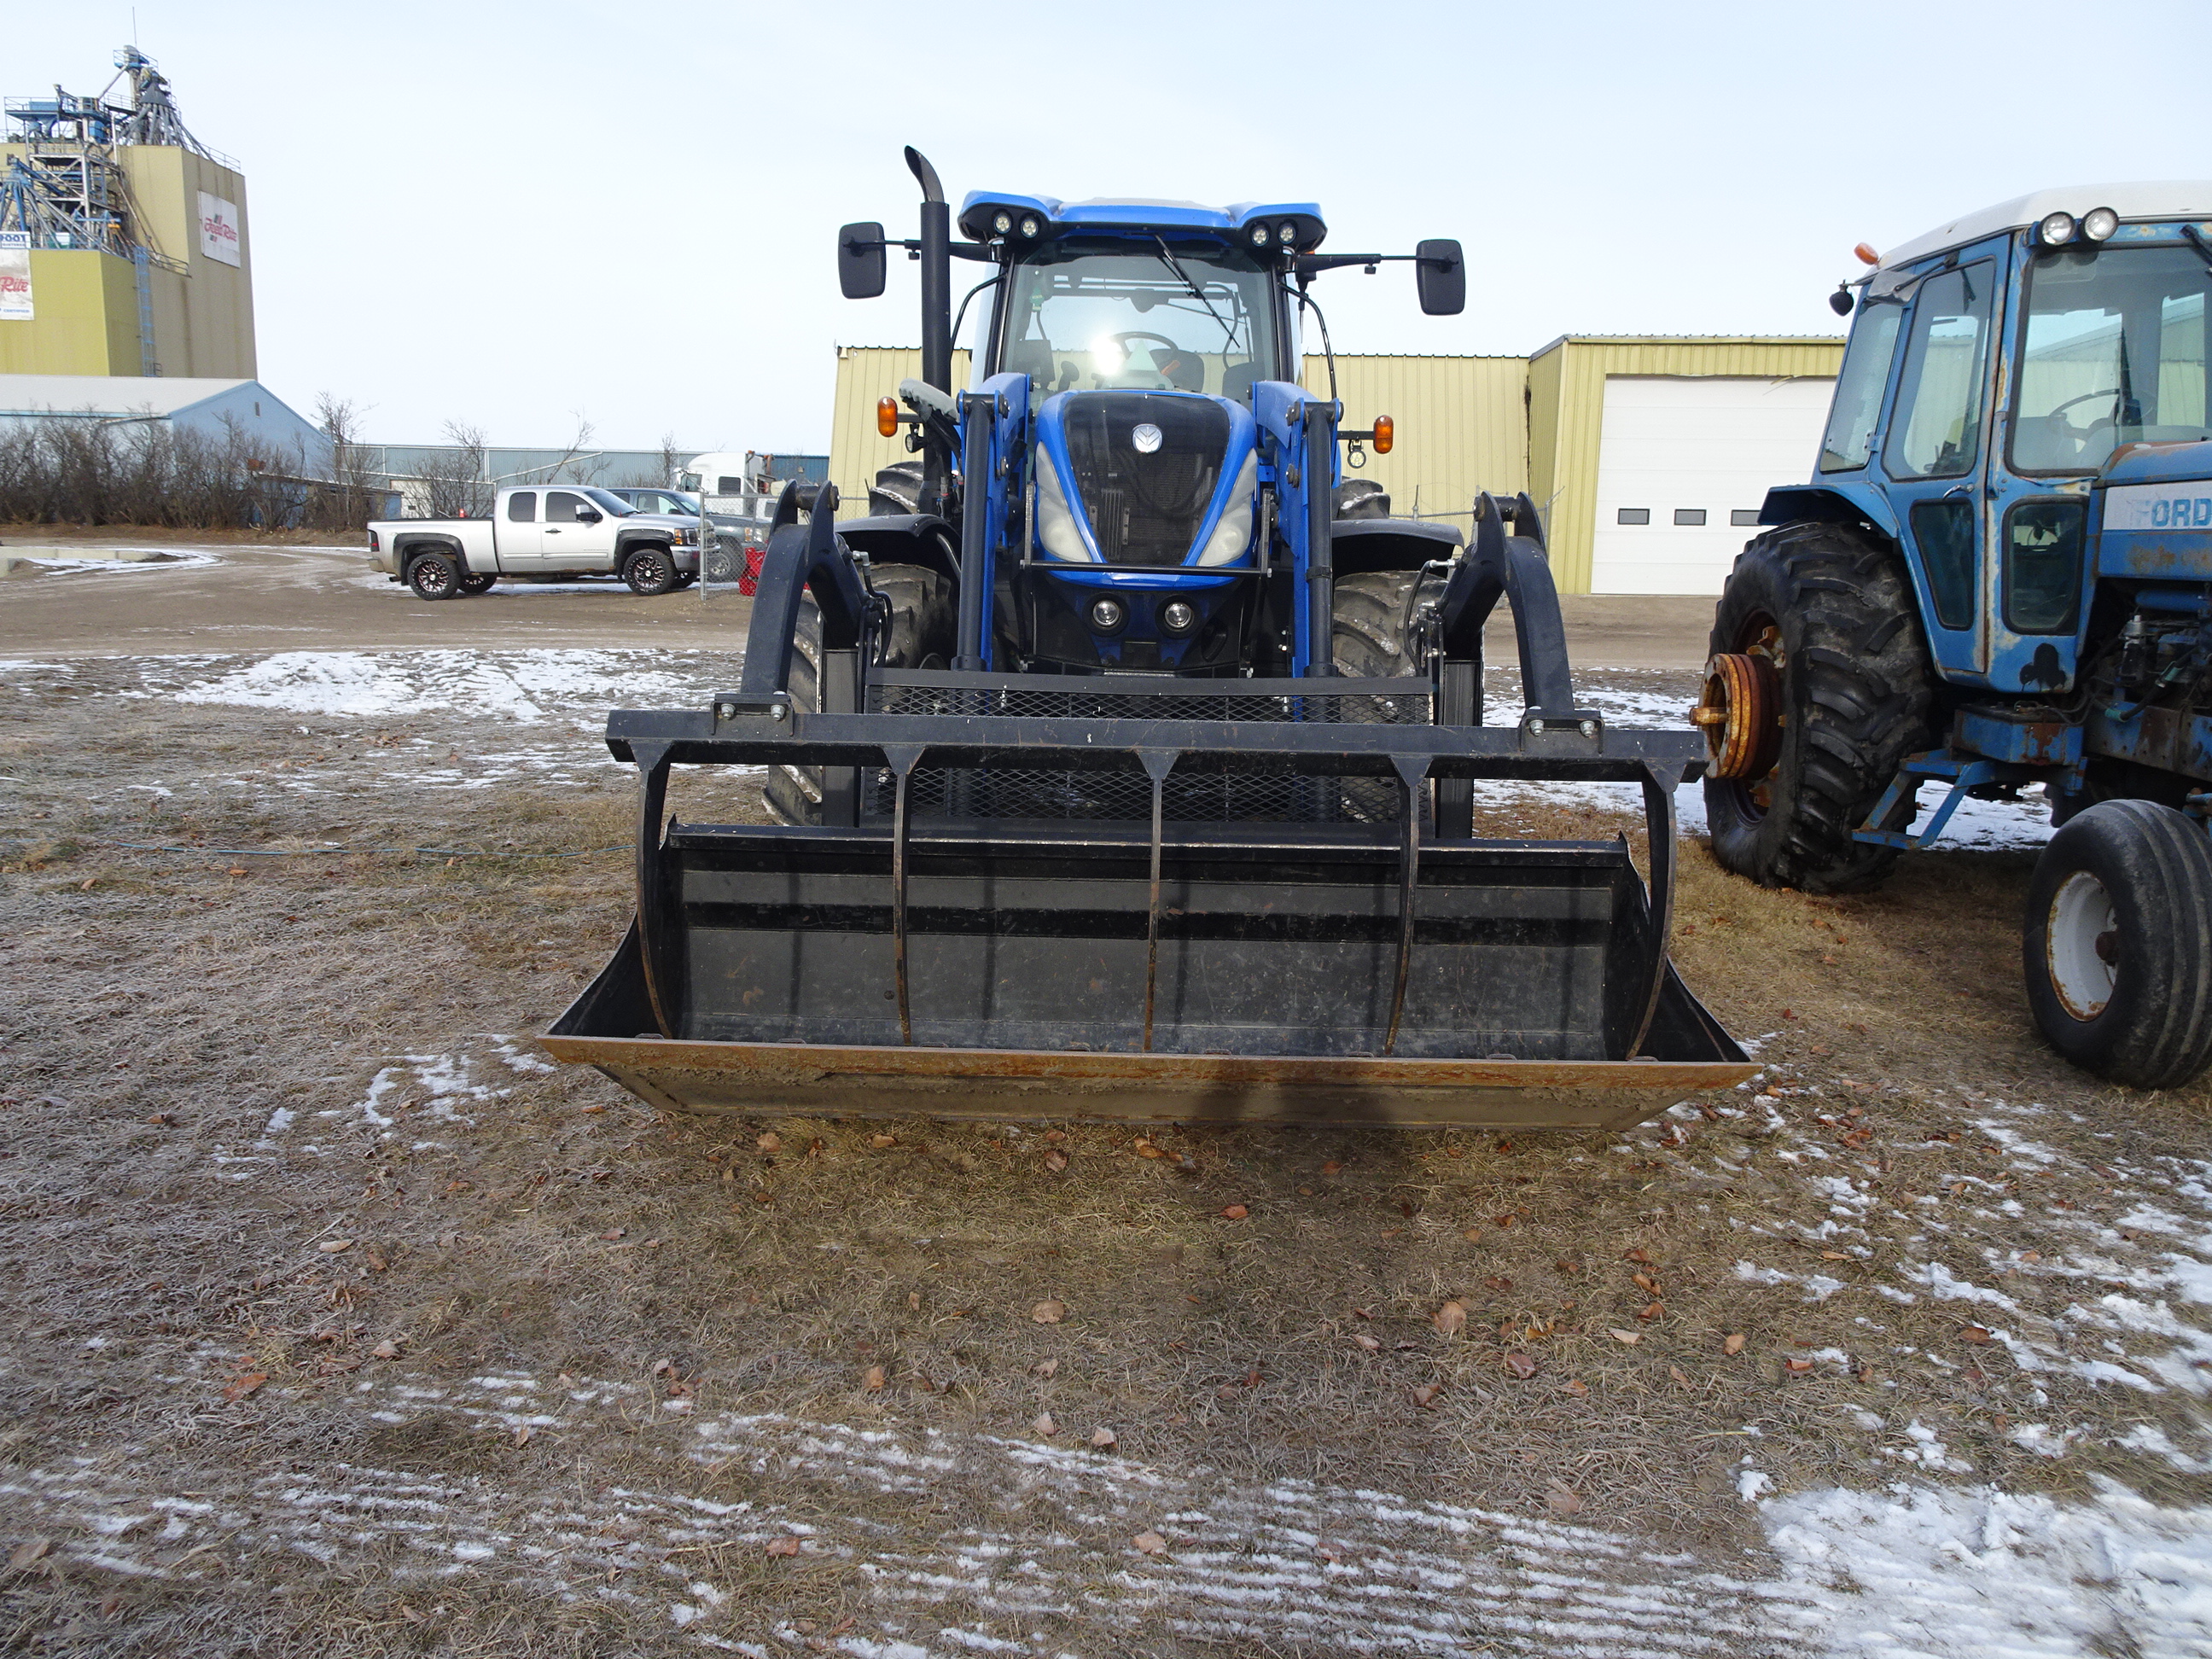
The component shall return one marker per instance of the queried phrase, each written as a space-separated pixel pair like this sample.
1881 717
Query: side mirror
588 515
1840 301
860 261
1442 285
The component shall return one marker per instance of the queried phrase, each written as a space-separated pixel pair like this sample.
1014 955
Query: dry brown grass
161 1009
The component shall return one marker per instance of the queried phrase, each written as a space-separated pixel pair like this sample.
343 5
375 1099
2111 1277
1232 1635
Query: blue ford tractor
2001 576
1124 755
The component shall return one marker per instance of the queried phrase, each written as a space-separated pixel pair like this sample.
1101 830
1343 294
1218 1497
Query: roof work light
2056 229
2099 224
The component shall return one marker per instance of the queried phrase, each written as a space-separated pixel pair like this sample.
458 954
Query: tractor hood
1146 478
2157 508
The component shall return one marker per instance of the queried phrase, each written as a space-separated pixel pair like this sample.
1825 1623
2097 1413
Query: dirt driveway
341 1321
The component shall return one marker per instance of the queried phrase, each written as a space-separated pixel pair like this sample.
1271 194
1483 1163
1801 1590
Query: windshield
2113 352
1151 319
613 503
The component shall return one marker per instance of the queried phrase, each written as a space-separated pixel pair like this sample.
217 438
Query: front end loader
1125 756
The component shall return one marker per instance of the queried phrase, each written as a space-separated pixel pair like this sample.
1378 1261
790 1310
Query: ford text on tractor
1125 757
2001 576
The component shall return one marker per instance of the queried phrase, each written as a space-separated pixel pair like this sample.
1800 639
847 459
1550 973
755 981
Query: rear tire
924 626
477 582
433 576
1833 611
2117 945
650 571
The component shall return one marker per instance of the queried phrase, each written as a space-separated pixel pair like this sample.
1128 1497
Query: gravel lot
343 1322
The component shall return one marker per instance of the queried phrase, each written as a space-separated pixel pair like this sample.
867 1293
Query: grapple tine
902 759
1157 762
1413 774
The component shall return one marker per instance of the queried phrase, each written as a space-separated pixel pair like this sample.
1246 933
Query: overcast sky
523 216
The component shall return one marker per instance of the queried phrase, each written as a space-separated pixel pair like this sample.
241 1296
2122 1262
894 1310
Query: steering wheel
2060 408
1174 351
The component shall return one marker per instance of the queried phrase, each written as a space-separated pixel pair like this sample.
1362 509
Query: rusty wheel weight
1740 711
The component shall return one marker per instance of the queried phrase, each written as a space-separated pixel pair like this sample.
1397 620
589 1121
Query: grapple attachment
1145 899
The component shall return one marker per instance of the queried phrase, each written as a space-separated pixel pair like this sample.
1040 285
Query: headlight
1259 236
2099 224
1106 614
1003 222
1057 533
1030 229
1177 617
1288 231
1232 532
2055 230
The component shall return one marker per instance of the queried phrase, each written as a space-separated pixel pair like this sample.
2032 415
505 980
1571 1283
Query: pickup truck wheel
650 571
2117 945
924 628
433 576
477 581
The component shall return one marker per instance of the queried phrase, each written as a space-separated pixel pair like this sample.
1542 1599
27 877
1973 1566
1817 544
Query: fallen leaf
1798 1365
783 1546
1630 1337
1048 1313
1366 1341
613 1233
872 1378
1578 1386
881 1141
1675 1371
1833 1255
1498 1282
1975 1334
1425 1395
1236 1213
1505 1220
770 1142
1103 1437
664 1368
1145 1148
236 870
1364 1313
1563 1498
1150 1543
1055 1160
1646 1281
1639 1254
386 1349
1735 1343
1450 1319
88 884
522 1434
1521 1364
815 1148
1044 1368
332 1246
1473 1235
1332 1168
245 1385
26 1553
378 1261
1044 1424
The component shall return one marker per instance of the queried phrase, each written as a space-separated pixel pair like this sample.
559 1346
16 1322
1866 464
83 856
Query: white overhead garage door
1683 463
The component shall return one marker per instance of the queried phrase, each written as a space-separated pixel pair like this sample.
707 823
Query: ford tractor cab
1998 577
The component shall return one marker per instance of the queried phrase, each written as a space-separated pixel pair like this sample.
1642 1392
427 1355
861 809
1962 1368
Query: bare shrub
79 469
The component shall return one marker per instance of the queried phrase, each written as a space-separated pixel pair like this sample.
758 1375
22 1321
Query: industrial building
125 243
1649 457
212 408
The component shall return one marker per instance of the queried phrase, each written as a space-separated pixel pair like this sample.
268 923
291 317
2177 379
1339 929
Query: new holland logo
1146 436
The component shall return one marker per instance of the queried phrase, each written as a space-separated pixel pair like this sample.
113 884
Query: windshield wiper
1228 332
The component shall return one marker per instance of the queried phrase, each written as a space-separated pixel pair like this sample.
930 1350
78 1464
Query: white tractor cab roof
2173 198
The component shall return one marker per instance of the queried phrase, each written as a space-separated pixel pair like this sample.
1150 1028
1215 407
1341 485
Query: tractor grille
1146 509
1017 792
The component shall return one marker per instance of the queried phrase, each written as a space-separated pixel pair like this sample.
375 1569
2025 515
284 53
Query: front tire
924 626
650 571
433 576
2117 945
1369 621
477 582
1826 616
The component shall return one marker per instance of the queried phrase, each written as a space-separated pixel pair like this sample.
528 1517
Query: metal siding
1462 427
84 317
1564 430
857 450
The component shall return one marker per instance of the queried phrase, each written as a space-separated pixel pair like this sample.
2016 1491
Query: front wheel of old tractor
1818 687
924 625
2117 945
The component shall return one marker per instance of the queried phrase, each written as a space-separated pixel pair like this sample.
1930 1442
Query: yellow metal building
1669 441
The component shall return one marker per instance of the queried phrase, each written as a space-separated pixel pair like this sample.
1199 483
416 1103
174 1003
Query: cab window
560 506
1947 353
1865 377
522 506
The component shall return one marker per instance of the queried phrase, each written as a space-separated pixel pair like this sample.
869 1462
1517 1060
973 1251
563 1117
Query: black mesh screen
1362 708
1145 508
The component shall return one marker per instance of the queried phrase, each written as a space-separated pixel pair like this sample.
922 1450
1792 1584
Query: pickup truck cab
539 531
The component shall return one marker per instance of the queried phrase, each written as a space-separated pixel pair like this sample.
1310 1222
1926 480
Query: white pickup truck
539 531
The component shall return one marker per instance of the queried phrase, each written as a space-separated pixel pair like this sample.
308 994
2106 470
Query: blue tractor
1123 753
1999 576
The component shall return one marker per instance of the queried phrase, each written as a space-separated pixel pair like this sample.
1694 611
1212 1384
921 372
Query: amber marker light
1866 256
887 417
1386 434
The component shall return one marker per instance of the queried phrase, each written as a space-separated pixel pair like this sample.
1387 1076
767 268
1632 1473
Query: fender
1363 544
406 550
920 538
628 543
1827 504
